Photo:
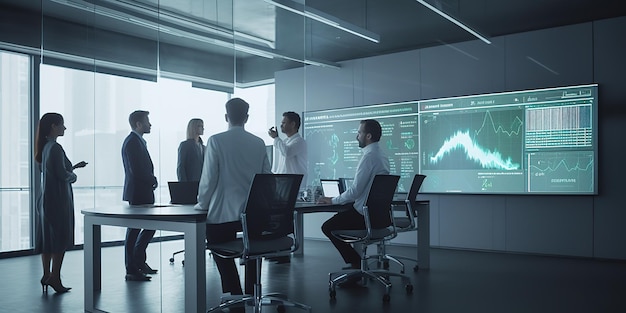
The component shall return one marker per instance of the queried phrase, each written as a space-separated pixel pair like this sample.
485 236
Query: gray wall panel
465 68
434 218
391 78
609 217
328 88
609 66
609 70
550 225
469 221
551 57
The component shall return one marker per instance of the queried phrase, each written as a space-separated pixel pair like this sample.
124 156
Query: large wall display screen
334 152
535 141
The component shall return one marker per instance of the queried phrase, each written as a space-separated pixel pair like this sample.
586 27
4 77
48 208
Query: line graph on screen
483 140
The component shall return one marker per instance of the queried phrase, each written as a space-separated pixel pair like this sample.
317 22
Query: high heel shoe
57 285
44 283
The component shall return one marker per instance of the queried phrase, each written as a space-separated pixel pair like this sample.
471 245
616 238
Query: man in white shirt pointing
290 153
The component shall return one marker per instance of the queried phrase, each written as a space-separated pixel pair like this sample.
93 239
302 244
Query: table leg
195 268
423 235
92 263
299 224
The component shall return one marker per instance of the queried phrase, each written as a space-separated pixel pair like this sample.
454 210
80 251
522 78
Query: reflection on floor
458 281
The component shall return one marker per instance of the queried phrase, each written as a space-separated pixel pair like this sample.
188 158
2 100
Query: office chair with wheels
268 231
405 223
378 216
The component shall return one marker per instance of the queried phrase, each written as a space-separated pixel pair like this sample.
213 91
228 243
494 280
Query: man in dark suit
139 185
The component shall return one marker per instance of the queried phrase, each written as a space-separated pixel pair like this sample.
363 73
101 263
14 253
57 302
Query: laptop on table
183 192
331 187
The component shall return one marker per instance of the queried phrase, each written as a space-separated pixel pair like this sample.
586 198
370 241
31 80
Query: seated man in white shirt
372 162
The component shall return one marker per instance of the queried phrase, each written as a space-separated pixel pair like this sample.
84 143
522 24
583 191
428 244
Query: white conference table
191 222
179 218
423 225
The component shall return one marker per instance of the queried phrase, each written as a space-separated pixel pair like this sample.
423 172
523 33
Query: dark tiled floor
458 281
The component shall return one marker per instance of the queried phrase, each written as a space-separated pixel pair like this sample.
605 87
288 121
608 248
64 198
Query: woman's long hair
192 128
43 130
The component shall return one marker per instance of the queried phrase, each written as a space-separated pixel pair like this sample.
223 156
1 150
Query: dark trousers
219 233
135 247
349 219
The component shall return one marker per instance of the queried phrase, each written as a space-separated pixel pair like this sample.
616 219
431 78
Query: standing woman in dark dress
55 207
191 152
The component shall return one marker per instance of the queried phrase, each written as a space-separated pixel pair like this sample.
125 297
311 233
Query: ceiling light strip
324 18
250 49
455 21
178 19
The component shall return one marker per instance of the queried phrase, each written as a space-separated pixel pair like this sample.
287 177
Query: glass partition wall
95 61
15 151
176 59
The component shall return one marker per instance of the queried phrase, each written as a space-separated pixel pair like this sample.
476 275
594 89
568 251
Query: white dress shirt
291 156
231 160
373 162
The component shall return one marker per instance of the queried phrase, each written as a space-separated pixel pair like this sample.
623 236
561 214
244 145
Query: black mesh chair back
418 179
377 213
270 206
379 200
408 223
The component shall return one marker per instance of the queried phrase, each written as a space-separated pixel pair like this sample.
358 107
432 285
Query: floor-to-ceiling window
15 152
96 108
97 126
59 66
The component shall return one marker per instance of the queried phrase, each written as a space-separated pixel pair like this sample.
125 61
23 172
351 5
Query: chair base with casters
259 300
384 259
270 299
381 276
179 252
172 259
174 255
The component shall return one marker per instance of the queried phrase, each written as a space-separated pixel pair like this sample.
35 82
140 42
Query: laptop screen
183 192
330 187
